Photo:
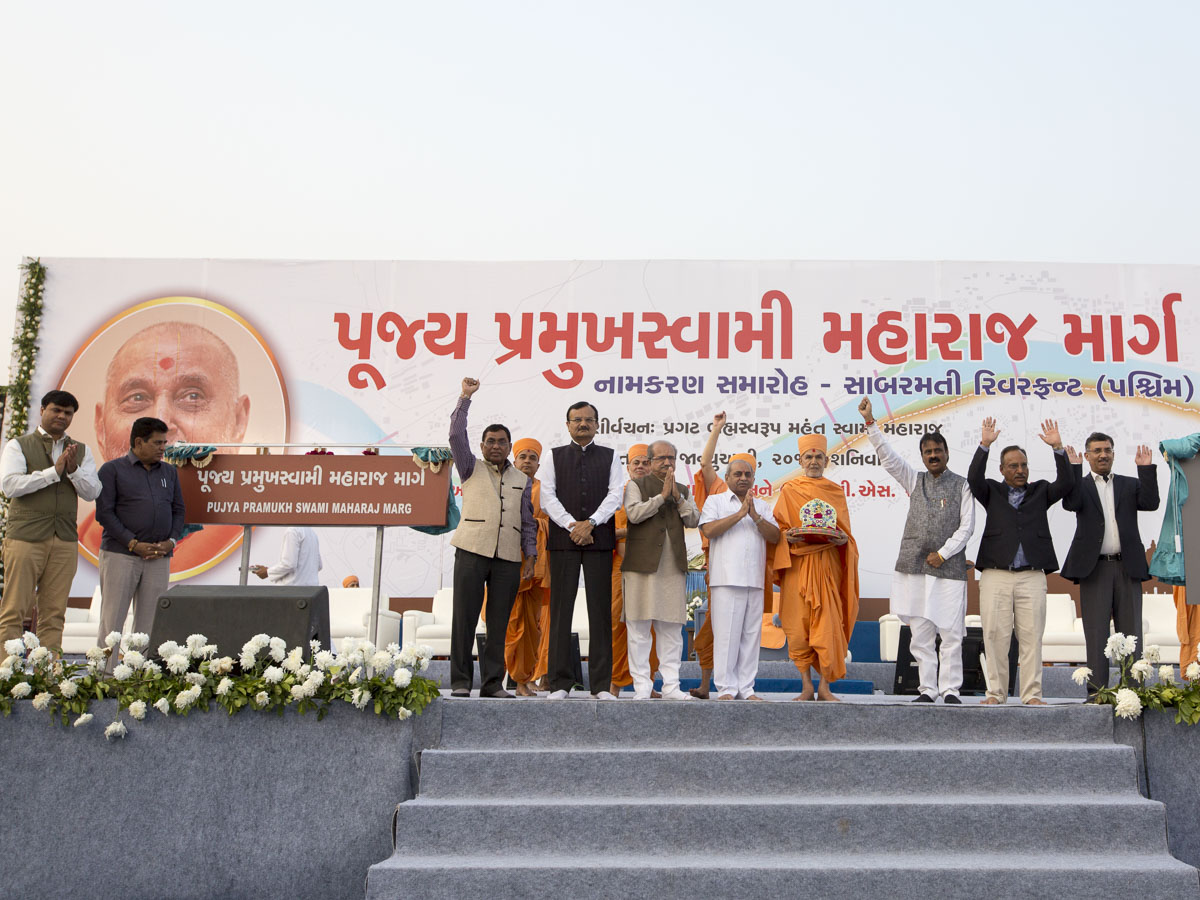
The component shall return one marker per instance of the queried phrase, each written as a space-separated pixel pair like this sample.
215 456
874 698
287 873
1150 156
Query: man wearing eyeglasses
497 526
581 490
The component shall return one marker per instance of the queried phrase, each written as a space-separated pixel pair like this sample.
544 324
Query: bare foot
806 694
824 693
700 693
989 701
655 695
525 689
756 697
1035 701
725 697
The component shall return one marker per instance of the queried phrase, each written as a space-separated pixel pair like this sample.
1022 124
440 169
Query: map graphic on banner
374 352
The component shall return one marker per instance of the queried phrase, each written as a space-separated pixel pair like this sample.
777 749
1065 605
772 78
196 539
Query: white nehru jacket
737 558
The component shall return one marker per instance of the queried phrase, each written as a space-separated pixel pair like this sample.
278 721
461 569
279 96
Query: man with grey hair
738 526
654 573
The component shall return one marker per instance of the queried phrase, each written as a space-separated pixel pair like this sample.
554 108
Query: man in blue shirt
141 510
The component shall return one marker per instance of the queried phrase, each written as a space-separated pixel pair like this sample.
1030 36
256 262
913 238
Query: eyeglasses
578 421
667 458
496 442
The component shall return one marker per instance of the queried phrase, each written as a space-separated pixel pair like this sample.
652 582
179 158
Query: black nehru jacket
1026 525
581 483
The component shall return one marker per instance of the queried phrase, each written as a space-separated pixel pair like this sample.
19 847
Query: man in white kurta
929 586
738 526
654 572
299 559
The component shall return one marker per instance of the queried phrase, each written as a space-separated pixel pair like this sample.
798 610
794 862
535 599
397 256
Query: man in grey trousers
140 508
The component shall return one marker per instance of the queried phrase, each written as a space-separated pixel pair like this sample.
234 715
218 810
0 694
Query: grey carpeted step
938 770
727 872
629 723
901 825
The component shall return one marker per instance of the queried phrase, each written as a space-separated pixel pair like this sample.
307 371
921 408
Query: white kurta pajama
655 600
736 562
928 605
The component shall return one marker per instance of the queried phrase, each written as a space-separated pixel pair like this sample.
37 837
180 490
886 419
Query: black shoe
923 698
952 699
461 692
497 694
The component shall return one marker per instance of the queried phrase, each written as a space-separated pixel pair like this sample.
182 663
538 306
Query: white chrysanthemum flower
402 678
247 661
260 642
187 697
1193 671
393 648
356 675
222 666
14 647
208 651
367 649
409 656
1166 674
261 698
314 646
294 660
167 649
31 640
194 678
41 701
424 665
273 675
162 705
1128 704
354 659
112 639
83 720
68 688
299 692
139 640
152 668
324 659
278 649
123 672
1152 654
380 660
1112 648
137 709
405 713
426 651
361 697
116 730
1130 645
38 655
21 689
133 659
95 654
1081 675
1141 670
195 644
223 686
6 672
179 663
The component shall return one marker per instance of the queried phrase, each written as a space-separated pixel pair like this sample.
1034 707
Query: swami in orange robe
818 601
637 465
526 637
1187 626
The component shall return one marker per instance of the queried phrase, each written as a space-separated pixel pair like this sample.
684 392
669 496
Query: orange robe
703 642
620 637
1187 626
818 601
522 644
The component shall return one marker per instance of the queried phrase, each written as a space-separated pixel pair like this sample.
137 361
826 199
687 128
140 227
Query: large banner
374 352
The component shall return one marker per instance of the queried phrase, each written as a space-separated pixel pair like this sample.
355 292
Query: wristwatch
592 521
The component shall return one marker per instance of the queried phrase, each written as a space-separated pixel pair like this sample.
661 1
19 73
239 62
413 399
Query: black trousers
564 585
472 573
1108 593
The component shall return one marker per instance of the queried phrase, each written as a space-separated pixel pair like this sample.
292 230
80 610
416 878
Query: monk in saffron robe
524 640
817 572
637 465
705 483
1187 626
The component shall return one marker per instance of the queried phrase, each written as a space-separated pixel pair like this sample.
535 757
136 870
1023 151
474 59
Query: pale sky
559 130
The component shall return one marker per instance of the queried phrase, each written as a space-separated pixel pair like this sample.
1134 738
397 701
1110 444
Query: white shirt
16 482
300 560
907 476
738 557
1112 537
608 506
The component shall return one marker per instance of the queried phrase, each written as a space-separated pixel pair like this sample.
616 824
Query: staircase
583 799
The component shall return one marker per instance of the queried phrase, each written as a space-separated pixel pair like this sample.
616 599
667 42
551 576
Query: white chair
1158 626
350 617
82 627
1062 638
431 628
889 637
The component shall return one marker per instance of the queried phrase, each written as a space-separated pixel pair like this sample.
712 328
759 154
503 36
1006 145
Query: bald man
188 377
817 572
637 465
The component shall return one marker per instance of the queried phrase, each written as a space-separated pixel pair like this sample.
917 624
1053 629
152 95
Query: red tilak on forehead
165 363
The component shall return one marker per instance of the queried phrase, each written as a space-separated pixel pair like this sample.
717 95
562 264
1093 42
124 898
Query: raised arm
895 466
1065 481
710 449
1147 492
460 445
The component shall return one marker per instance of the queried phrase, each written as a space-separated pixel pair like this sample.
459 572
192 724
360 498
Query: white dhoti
932 608
669 636
736 614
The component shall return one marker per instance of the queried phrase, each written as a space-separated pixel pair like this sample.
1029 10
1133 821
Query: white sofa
1158 626
82 627
1062 638
433 627
350 617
